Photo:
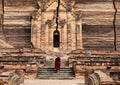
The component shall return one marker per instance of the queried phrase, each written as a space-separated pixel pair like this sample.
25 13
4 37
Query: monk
57 64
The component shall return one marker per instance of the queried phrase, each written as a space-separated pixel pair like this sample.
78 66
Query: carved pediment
68 4
44 4
77 15
54 5
50 5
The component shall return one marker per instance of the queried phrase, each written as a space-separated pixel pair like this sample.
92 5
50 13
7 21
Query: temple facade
88 25
43 30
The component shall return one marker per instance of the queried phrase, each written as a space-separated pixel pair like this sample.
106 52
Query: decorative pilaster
50 23
62 38
69 40
50 37
62 24
38 36
42 4
69 6
35 29
50 33
79 44
42 35
81 41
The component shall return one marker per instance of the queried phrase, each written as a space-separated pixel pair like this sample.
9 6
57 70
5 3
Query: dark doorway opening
56 37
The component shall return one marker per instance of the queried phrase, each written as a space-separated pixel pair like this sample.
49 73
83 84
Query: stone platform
52 82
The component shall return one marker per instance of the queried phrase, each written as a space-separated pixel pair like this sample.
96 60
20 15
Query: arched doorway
56 38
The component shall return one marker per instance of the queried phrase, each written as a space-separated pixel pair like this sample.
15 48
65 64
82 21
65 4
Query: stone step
48 72
48 67
59 78
56 74
52 68
53 71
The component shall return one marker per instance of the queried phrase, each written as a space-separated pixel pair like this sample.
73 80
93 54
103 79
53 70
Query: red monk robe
57 64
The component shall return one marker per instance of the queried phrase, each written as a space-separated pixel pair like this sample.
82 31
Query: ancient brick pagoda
82 24
85 32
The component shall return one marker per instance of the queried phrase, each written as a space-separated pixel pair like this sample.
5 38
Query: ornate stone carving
42 35
77 15
50 23
43 4
36 15
69 4
62 23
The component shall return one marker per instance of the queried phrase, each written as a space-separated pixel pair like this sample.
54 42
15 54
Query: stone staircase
48 71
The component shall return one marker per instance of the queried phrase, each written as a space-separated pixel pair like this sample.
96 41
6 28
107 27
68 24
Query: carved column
50 23
81 41
50 37
69 6
79 44
34 33
43 28
42 5
62 38
78 28
69 40
62 24
35 29
38 26
50 34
